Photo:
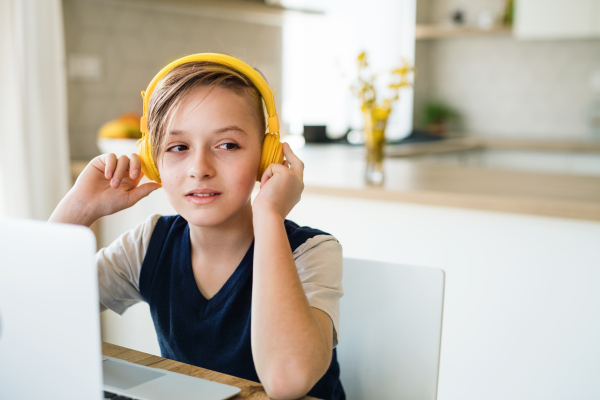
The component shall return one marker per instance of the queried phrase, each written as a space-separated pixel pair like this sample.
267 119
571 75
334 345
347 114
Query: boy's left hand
280 186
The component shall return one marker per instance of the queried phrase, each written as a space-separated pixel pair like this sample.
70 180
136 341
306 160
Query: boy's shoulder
297 235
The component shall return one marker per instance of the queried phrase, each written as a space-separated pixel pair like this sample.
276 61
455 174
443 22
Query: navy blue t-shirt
215 333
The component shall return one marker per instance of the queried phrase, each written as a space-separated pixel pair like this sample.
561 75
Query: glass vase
374 131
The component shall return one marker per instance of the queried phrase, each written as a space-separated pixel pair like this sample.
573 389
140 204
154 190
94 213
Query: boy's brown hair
180 81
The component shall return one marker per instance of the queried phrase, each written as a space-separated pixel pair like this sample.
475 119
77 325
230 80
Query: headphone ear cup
148 167
279 154
272 152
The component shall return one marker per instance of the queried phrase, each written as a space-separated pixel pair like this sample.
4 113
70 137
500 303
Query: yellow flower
362 60
365 89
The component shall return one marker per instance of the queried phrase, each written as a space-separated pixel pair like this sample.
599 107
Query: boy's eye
177 149
228 146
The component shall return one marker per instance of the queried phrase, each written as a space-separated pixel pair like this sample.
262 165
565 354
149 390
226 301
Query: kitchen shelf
428 32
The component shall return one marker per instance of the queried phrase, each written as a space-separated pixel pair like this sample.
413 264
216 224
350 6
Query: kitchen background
115 48
501 86
508 205
130 42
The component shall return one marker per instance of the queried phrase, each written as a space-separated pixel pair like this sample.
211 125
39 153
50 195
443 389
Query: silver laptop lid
49 325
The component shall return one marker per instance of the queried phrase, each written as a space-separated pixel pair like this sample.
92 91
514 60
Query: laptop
50 346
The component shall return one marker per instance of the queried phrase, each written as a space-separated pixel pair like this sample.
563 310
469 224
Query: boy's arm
70 211
291 341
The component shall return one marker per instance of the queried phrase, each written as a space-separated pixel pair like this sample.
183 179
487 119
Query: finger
272 169
286 163
110 162
266 175
120 171
293 160
135 166
142 191
296 165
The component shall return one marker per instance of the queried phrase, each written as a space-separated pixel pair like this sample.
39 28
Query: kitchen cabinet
557 19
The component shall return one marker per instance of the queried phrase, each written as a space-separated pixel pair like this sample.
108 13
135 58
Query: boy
232 286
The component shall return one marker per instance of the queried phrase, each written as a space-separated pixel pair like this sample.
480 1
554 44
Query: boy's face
212 147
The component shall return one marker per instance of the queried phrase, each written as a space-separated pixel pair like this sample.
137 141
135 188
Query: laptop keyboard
113 396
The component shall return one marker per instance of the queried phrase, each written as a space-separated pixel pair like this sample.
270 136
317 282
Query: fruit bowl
119 136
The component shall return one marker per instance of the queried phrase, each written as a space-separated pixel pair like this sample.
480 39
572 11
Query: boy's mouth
202 196
203 192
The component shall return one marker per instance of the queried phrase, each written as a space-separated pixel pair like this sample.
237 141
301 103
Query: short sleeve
319 264
119 267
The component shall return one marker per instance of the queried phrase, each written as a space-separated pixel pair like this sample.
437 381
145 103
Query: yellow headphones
272 151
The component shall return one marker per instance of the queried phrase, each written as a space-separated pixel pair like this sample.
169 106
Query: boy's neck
235 234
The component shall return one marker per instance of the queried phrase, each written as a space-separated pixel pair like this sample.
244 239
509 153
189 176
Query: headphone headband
232 62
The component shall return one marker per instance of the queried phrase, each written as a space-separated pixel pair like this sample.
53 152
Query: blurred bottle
458 16
594 108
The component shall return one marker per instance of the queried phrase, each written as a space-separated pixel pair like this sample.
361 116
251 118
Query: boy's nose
202 166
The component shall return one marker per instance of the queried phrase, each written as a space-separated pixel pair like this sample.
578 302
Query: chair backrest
390 330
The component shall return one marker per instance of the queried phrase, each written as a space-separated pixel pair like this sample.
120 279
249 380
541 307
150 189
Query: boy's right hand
108 185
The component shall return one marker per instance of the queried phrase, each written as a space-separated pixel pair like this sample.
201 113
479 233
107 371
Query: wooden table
250 390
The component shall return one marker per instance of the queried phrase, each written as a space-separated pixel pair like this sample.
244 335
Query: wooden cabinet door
557 19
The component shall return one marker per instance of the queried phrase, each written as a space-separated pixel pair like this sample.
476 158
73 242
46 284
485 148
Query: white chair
390 330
